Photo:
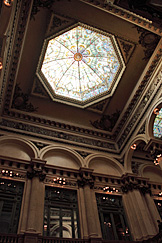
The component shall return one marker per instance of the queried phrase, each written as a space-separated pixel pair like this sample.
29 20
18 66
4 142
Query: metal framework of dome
81 65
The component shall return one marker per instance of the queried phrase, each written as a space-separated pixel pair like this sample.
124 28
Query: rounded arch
129 154
16 147
104 164
152 172
151 118
62 157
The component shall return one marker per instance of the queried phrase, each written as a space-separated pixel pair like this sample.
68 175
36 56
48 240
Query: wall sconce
156 111
8 3
60 180
134 146
156 162
1 65
110 189
9 173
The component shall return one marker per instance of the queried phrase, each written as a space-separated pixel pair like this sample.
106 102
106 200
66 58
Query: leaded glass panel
81 63
157 128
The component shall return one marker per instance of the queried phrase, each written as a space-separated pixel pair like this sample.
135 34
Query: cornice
27 123
125 14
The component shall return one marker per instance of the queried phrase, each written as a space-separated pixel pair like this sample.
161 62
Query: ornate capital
85 181
36 173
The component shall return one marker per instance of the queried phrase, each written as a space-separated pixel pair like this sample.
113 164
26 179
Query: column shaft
92 230
36 206
153 210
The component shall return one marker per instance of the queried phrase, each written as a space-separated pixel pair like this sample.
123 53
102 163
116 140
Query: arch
152 172
62 157
151 118
18 148
128 156
104 164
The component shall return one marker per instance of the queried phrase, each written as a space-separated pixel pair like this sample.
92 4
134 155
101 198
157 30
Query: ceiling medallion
80 66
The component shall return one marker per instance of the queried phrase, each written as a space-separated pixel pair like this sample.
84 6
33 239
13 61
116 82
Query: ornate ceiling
29 109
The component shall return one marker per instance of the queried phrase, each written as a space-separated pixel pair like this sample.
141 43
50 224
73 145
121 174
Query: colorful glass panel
157 128
80 64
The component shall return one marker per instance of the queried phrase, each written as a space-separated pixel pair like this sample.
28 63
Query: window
157 128
61 213
112 218
11 193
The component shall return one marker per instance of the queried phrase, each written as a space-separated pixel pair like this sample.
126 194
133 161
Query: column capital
85 181
36 173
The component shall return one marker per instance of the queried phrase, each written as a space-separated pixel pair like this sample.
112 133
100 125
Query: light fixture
59 180
1 65
8 3
9 173
156 111
110 189
134 146
156 161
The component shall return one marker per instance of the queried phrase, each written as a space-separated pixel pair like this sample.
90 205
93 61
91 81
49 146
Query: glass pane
80 63
107 227
157 128
66 223
118 225
54 222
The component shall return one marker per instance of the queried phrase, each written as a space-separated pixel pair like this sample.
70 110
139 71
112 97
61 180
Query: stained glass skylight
157 128
81 64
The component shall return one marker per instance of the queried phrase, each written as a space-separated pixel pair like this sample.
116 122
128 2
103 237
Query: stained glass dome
81 65
157 128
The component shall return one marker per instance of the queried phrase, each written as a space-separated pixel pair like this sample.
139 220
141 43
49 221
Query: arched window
157 127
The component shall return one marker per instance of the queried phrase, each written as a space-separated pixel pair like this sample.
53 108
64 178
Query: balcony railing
5 238
13 238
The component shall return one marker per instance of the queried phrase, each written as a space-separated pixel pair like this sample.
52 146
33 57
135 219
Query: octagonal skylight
81 66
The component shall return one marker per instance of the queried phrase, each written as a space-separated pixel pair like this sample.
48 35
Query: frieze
18 44
10 44
125 14
141 107
41 131
138 93
57 134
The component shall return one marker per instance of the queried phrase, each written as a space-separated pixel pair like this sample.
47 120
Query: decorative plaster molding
60 136
125 14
